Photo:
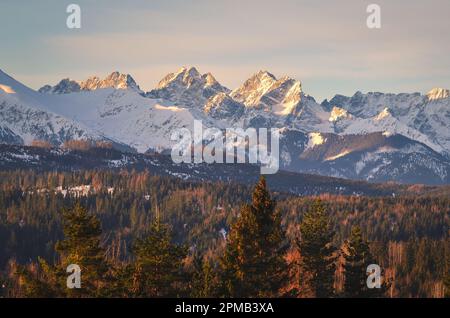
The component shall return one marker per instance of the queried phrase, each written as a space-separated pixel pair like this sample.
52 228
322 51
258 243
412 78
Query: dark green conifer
158 265
317 251
253 264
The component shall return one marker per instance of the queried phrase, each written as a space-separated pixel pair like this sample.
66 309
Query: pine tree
357 257
158 268
80 246
203 278
253 264
317 251
39 281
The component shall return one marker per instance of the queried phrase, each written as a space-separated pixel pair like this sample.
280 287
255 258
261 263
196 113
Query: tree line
272 246
253 264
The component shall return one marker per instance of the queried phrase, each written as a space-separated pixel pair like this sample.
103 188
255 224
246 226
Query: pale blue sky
325 44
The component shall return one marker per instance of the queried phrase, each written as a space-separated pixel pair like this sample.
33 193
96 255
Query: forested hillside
407 235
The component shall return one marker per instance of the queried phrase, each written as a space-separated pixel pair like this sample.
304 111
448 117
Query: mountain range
374 137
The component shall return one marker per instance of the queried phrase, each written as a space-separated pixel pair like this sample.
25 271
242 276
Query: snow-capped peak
65 86
187 87
263 75
438 93
264 90
114 80
185 75
210 79
254 88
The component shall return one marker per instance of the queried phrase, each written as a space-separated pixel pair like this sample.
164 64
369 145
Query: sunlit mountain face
373 137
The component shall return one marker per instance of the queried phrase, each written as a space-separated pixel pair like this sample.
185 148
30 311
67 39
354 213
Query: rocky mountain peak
438 93
187 87
65 86
185 76
264 90
210 79
114 80
251 92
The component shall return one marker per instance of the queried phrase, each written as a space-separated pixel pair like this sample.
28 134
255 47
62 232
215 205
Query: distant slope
377 157
39 159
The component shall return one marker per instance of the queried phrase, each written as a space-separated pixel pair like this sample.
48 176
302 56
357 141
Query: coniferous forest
134 234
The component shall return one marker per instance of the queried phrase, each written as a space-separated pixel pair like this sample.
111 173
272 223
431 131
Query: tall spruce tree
158 267
203 279
253 264
317 251
357 257
80 246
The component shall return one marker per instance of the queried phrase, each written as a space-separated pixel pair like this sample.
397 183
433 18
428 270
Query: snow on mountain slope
315 139
222 106
264 91
371 104
10 88
26 123
272 102
320 138
372 157
9 137
262 101
187 87
425 118
121 115
338 113
26 115
383 122
311 116
434 121
126 116
253 89
7 89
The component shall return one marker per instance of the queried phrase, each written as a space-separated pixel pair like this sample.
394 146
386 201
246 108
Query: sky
325 44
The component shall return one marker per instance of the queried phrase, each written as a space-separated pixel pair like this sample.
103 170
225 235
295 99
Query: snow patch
169 108
337 113
342 154
315 139
7 89
383 114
